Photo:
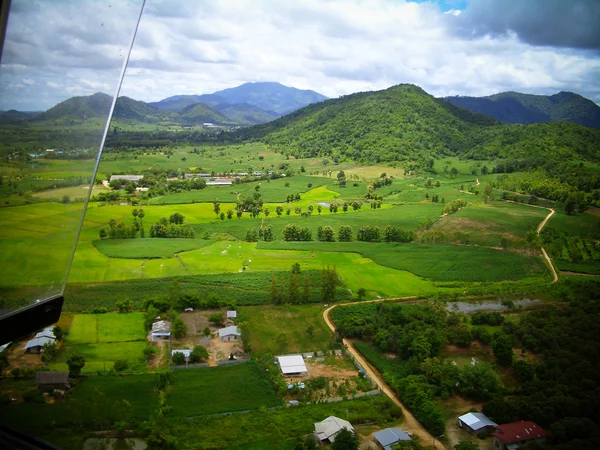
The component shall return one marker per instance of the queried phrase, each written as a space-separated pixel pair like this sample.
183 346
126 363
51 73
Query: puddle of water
466 307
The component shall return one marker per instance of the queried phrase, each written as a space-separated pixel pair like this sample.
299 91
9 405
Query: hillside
514 107
79 108
128 108
404 123
199 113
271 96
177 103
245 114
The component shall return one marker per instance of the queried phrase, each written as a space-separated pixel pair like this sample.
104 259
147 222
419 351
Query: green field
584 225
235 387
264 332
102 339
146 248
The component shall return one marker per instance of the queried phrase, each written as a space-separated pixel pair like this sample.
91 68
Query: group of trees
198 354
298 289
292 232
171 228
454 206
120 230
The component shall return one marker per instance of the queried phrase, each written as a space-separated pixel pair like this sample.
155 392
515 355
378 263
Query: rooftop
292 364
162 326
38 342
227 331
477 421
52 377
509 433
328 428
390 436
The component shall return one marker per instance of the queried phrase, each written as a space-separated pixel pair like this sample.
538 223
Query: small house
510 436
232 314
230 334
161 330
292 365
390 436
36 345
477 423
49 381
326 430
46 332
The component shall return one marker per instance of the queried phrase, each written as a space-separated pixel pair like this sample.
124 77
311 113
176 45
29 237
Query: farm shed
232 314
48 381
476 423
292 365
220 182
390 436
229 334
326 430
161 330
4 347
46 332
37 344
134 178
512 435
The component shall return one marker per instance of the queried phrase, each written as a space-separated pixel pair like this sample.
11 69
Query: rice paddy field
37 239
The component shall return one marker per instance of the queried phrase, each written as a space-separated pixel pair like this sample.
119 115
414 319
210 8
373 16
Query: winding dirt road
539 230
410 423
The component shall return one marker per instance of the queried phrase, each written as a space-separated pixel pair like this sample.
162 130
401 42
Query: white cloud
335 47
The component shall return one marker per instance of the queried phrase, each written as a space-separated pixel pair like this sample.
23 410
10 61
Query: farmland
228 388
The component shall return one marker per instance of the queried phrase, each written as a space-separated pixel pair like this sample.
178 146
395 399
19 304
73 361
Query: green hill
244 113
78 108
514 107
199 113
404 123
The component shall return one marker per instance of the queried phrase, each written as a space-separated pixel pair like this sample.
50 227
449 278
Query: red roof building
511 435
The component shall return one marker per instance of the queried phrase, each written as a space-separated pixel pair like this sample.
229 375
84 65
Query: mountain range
514 107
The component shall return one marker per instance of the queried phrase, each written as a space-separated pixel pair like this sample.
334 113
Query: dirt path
410 423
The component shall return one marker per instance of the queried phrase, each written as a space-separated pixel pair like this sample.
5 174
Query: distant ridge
514 107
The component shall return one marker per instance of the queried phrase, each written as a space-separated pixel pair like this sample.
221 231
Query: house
512 435
231 314
229 334
4 347
476 423
186 353
326 430
134 178
161 330
36 345
390 436
292 365
49 381
219 182
47 333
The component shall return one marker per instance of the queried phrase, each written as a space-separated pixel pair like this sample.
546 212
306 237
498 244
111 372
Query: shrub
33 396
198 354
120 365
178 359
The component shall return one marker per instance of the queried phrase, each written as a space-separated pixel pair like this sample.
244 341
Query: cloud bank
58 49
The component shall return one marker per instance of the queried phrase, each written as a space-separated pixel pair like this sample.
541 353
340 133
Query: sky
56 49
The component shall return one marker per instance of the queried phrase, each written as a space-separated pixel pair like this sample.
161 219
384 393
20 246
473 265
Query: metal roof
510 433
292 364
161 327
3 347
477 421
231 314
328 428
390 436
228 331
52 377
38 342
45 334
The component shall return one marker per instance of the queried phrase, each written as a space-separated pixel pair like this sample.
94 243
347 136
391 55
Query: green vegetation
229 388
147 248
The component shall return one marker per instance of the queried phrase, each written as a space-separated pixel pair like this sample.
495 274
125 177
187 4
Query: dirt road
410 423
539 230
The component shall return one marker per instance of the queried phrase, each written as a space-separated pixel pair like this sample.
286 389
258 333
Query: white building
326 430
134 178
231 314
230 334
161 330
292 365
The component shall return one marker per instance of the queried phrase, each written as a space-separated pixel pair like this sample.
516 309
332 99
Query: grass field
584 225
236 387
102 339
265 333
146 248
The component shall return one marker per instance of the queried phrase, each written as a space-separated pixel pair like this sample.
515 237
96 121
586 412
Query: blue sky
58 49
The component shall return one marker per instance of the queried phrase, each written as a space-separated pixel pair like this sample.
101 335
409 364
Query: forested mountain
79 108
245 113
271 96
176 103
404 123
199 113
514 107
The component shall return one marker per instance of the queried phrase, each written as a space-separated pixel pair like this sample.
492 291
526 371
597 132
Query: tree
178 359
58 332
75 363
199 354
466 445
296 268
120 365
329 283
488 192
361 293
229 214
66 199
570 204
176 219
310 330
345 440
178 327
102 233
216 319
502 347
216 207
293 288
279 210
345 233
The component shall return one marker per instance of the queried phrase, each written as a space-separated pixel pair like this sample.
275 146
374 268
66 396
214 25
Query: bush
178 359
120 365
199 353
33 396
